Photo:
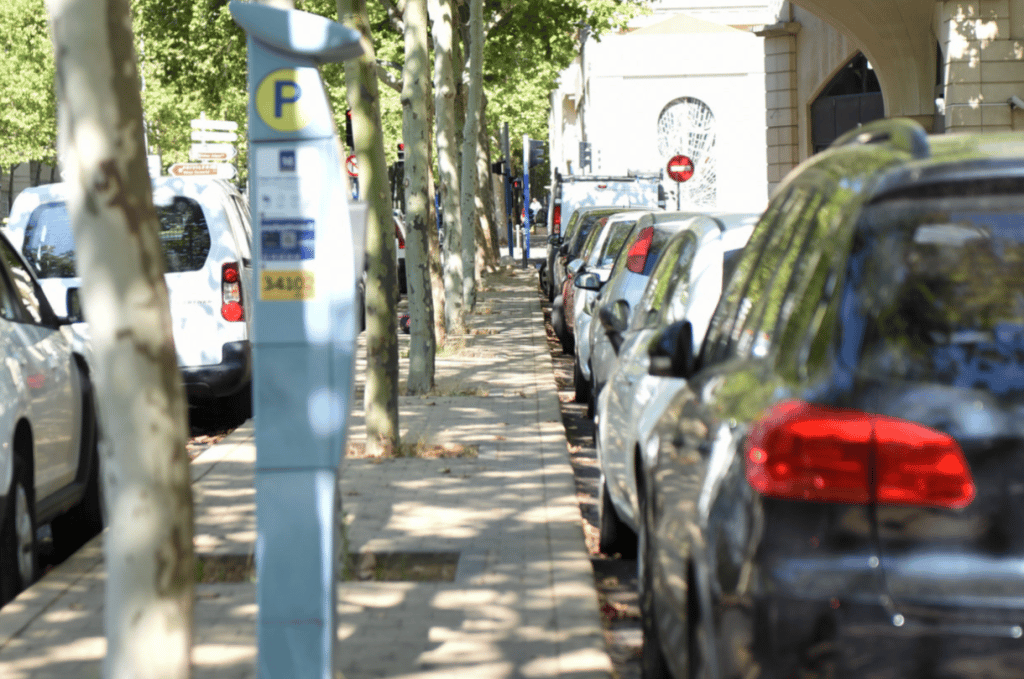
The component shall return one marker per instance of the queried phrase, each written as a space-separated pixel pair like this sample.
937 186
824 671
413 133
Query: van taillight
231 308
398 236
556 219
637 257
802 451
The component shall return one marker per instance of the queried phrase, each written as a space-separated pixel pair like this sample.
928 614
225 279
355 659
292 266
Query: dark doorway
852 97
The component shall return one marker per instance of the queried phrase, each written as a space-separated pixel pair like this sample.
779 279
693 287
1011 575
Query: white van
206 236
570 192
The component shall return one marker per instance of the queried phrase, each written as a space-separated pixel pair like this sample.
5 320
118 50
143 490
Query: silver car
685 285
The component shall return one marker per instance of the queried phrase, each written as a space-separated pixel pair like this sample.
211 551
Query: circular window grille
686 126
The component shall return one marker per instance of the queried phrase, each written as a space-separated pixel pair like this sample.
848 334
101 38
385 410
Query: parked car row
810 427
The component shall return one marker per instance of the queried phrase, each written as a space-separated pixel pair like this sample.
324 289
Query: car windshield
940 284
50 247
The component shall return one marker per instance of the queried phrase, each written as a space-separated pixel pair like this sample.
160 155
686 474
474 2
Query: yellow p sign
279 99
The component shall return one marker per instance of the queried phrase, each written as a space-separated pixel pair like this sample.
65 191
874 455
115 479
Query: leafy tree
28 122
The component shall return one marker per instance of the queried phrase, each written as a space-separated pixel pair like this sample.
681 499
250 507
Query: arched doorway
851 98
686 126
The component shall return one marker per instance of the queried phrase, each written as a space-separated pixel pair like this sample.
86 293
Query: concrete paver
522 602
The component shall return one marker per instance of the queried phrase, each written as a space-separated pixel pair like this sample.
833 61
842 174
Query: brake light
231 308
637 257
556 219
801 451
399 238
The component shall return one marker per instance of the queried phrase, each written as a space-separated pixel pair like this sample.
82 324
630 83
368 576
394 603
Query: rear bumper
223 379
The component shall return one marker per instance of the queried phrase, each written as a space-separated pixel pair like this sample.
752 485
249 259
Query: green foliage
28 122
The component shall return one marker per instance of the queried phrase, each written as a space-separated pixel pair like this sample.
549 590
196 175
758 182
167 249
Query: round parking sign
279 101
680 168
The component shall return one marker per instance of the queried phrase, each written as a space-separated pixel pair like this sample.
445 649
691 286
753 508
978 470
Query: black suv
839 491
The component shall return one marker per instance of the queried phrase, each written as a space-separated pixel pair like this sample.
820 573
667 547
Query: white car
206 237
48 461
685 285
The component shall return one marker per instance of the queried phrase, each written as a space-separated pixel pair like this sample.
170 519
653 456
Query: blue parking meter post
507 177
526 201
304 333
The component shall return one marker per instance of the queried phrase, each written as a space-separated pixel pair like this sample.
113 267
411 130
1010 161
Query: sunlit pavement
520 599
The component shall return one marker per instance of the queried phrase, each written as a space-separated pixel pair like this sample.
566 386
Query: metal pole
508 185
526 200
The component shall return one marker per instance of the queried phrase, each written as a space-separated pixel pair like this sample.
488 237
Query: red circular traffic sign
680 168
351 166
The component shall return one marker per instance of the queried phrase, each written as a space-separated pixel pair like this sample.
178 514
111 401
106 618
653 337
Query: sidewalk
475 566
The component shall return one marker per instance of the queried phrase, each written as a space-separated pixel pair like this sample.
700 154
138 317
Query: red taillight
231 308
398 236
801 451
556 219
637 257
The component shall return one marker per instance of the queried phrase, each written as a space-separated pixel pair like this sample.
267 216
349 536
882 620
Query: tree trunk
145 464
416 135
470 133
442 12
487 240
381 397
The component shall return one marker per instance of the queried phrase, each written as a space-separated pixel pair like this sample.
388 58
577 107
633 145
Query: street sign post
681 169
306 256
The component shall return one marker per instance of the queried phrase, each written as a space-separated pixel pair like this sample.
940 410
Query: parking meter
304 332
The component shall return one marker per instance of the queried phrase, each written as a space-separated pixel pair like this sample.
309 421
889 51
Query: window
34 308
49 244
184 235
673 267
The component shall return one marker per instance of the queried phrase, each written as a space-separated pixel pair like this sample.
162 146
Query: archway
851 98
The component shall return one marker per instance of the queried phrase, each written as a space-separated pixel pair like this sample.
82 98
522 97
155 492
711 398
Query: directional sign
680 168
217 170
204 135
212 152
205 124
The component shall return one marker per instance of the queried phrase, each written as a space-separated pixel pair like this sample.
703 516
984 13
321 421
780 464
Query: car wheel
581 385
18 548
615 537
652 661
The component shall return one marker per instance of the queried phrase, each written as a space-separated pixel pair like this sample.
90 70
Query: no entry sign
680 168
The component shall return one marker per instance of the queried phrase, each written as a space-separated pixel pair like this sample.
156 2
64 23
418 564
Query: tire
581 385
18 548
652 661
558 323
615 537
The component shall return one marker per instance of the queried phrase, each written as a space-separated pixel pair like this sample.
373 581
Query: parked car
838 490
572 191
48 460
685 285
399 221
595 263
581 223
632 269
206 237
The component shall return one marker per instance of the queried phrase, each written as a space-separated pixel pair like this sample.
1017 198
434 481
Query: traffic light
401 153
586 158
536 152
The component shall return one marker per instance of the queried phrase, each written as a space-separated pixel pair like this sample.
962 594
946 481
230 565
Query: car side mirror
74 306
671 351
575 266
563 249
555 240
588 281
614 318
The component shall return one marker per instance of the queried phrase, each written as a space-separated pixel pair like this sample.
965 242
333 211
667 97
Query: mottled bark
381 397
487 255
416 136
470 133
142 410
441 16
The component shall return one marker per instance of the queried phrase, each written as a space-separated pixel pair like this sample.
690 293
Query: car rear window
49 245
940 285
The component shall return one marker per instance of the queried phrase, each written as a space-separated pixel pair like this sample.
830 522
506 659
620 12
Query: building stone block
1003 72
995 93
961 115
1002 50
773 46
996 115
964 72
957 93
